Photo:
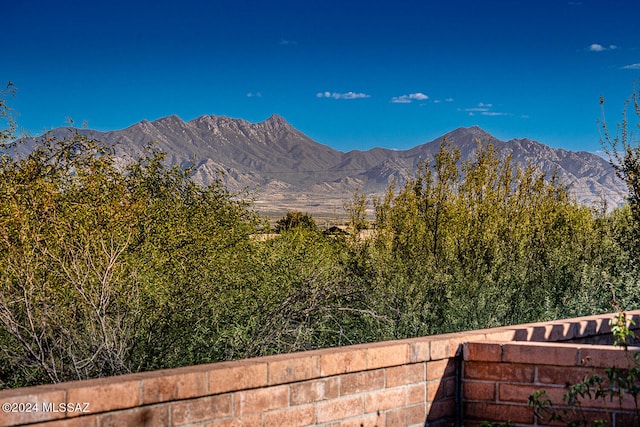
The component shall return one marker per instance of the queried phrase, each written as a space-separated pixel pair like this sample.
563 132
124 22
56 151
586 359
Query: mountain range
288 170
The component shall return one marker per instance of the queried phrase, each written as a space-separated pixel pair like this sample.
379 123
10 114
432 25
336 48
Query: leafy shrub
295 220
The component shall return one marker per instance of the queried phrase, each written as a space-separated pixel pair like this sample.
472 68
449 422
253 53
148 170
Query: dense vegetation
108 268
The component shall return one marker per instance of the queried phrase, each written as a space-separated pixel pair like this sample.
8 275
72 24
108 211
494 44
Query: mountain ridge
288 170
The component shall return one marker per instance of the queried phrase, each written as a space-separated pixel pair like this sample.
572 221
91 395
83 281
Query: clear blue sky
350 74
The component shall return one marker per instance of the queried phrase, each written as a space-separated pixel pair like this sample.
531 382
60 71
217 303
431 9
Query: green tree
357 211
107 269
623 150
7 132
294 220
481 243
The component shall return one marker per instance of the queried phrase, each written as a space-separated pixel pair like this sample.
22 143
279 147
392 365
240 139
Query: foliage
295 219
486 242
109 266
87 249
623 150
6 134
357 211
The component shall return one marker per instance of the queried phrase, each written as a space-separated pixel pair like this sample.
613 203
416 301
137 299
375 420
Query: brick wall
410 382
498 378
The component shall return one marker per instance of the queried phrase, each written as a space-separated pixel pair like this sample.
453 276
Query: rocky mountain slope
287 170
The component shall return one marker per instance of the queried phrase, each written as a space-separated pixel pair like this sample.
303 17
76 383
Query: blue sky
350 74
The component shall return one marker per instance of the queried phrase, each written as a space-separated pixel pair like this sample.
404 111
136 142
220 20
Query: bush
296 220
103 269
466 245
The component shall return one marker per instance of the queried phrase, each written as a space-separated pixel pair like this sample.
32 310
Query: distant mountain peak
275 121
170 119
474 131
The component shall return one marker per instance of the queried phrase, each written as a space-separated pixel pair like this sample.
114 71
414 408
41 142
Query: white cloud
256 94
418 96
484 109
345 95
632 67
288 42
449 100
596 47
494 114
406 99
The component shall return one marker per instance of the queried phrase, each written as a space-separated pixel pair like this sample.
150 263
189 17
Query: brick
483 351
370 420
498 372
440 368
387 355
441 409
537 333
157 415
561 375
523 333
297 416
587 326
456 341
106 394
541 353
83 421
338 409
435 391
416 414
419 351
450 387
604 356
485 411
585 417
260 400
341 361
202 409
624 420
595 340
395 417
477 390
35 396
500 334
520 393
314 391
416 393
361 381
627 403
385 399
560 332
405 374
246 421
439 349
286 369
233 376
174 387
